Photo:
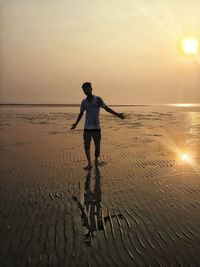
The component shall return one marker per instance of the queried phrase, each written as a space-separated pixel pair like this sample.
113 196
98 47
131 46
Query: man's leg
87 141
97 142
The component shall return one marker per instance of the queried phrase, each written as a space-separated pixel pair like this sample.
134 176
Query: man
92 128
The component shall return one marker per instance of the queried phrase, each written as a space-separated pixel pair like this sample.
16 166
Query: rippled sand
140 207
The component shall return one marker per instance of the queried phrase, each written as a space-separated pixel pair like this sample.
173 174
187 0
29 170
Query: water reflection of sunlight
188 158
193 118
184 157
186 105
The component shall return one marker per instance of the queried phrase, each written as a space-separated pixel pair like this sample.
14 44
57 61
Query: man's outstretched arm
119 115
77 121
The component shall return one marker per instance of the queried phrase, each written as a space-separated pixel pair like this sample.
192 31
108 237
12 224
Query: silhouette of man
91 104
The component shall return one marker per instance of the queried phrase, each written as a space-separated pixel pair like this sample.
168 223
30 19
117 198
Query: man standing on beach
92 128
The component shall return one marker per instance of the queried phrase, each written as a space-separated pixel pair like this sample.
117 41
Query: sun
190 45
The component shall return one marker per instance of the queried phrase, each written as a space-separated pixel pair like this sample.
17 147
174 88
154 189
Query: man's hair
86 85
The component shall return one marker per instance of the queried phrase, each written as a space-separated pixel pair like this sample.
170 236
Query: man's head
87 88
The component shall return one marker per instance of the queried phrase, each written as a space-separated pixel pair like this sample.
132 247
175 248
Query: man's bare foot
88 167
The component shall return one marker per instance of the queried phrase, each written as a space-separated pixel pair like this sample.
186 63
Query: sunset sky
128 49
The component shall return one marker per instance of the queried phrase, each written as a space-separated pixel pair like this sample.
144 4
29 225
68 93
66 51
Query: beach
139 207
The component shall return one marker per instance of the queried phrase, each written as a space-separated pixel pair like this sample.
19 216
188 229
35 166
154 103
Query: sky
129 51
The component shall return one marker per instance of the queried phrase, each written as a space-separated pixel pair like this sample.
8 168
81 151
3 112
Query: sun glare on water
190 45
189 159
184 157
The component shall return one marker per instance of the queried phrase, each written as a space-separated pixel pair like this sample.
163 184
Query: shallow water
140 207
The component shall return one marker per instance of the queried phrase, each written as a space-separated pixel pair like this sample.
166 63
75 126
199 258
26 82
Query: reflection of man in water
92 202
91 104
91 209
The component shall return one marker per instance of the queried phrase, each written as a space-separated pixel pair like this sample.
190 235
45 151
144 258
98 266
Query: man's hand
121 116
73 126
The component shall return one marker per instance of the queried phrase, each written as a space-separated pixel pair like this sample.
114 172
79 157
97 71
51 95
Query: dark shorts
95 134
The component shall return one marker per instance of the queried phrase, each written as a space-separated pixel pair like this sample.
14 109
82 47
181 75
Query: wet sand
140 207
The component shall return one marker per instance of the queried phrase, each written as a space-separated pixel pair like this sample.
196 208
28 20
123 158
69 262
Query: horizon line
51 104
78 104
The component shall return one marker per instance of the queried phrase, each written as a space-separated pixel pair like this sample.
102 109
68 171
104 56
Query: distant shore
186 105
64 105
